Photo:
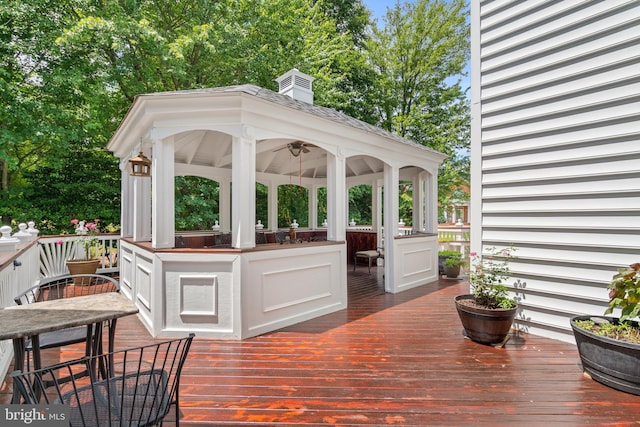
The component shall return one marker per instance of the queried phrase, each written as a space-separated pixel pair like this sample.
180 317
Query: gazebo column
313 206
163 201
391 204
336 195
273 207
376 209
419 205
126 211
431 202
141 202
224 206
243 198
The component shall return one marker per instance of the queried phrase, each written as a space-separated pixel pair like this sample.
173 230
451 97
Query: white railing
454 238
56 250
16 277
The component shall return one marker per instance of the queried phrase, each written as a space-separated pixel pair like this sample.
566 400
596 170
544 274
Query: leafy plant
488 275
624 292
453 259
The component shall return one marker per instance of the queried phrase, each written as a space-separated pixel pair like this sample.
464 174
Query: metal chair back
66 287
139 388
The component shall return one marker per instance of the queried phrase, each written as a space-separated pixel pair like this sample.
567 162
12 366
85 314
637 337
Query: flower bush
488 275
88 232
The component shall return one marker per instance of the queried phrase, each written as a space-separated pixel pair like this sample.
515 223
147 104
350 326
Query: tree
420 56
70 70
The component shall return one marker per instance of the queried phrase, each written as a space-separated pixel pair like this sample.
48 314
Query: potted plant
443 256
487 313
452 265
609 347
88 240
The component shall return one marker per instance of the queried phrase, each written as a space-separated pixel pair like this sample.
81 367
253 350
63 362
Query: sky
378 7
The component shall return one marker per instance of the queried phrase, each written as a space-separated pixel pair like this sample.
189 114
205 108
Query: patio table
29 321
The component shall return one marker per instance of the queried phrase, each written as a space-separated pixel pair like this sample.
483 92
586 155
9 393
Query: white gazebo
244 135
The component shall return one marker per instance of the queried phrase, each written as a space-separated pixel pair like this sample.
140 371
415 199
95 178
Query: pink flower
75 221
474 253
90 226
58 242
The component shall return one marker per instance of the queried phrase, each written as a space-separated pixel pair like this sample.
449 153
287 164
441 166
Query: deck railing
56 250
16 277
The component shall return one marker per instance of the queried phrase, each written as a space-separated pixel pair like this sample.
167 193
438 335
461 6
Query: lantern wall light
140 165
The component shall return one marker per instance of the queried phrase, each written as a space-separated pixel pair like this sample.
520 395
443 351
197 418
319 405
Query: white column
313 206
224 205
376 210
126 201
391 205
142 208
243 197
431 187
273 206
419 206
336 195
163 203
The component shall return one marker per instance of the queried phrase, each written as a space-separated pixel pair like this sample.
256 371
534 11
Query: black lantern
140 165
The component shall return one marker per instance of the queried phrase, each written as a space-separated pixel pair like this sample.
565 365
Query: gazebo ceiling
213 149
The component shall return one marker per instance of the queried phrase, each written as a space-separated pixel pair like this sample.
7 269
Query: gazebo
240 136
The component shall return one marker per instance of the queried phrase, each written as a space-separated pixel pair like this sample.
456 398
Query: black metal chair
141 385
66 287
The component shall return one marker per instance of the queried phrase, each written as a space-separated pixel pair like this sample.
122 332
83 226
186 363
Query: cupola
297 85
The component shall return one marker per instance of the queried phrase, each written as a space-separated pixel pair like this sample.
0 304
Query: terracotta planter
85 266
485 326
611 362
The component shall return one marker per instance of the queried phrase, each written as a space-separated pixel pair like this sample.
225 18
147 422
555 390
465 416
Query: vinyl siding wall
556 149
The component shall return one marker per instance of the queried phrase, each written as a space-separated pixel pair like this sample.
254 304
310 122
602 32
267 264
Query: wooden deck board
386 360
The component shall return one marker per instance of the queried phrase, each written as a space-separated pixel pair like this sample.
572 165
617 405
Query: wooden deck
386 360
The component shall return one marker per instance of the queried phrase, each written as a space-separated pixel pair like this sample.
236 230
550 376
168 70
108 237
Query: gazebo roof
206 148
289 102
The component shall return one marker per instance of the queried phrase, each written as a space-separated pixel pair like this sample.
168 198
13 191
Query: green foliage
360 204
196 201
83 183
624 331
488 275
293 203
625 292
449 253
420 55
70 70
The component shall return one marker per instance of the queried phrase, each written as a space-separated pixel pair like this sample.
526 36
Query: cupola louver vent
296 85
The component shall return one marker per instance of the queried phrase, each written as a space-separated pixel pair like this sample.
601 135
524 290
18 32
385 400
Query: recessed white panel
294 286
198 295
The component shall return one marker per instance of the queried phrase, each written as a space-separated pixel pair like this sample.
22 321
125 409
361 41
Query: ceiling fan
297 147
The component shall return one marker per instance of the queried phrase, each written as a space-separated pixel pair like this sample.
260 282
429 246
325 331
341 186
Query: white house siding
556 149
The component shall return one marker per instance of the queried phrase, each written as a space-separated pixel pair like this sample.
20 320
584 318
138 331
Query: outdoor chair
66 287
141 385
369 256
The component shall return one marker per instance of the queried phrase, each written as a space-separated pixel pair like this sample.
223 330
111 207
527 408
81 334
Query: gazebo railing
56 250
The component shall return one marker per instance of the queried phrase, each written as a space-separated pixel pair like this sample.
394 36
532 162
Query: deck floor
386 360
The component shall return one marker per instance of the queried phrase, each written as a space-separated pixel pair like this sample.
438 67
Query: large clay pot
609 361
483 325
85 266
